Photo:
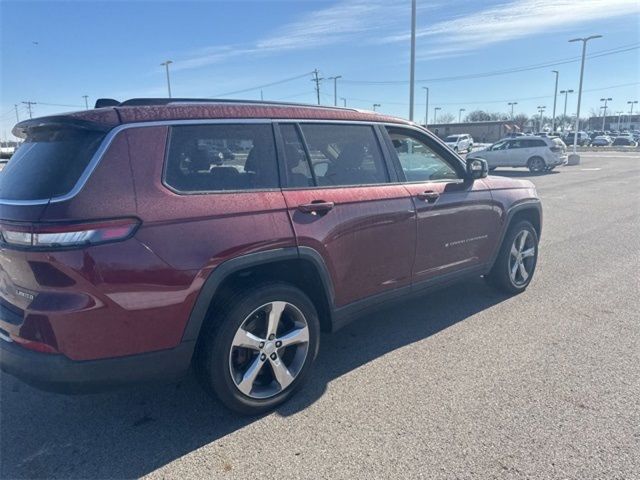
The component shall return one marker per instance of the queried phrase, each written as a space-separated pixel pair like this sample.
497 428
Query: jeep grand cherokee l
130 250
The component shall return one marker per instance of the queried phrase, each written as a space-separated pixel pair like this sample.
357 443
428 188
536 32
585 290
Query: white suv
538 154
460 143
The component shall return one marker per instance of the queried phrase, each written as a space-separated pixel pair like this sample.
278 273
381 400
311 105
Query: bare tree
446 117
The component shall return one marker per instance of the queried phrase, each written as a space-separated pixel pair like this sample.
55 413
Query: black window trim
430 141
219 192
390 174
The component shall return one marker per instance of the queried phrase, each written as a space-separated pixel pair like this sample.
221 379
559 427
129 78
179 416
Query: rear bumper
57 373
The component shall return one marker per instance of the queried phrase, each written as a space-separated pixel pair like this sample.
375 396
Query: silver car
538 154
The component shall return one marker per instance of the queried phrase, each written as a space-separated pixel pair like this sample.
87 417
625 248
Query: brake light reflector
67 235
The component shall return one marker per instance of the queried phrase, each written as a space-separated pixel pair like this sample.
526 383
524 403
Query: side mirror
477 168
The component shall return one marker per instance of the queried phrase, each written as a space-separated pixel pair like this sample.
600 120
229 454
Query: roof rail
136 102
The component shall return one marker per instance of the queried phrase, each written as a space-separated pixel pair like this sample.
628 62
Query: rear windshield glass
452 138
48 164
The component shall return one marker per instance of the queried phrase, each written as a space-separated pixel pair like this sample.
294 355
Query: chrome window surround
106 143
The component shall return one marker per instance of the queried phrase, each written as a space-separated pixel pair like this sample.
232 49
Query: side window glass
516 144
296 162
419 162
499 146
344 154
208 158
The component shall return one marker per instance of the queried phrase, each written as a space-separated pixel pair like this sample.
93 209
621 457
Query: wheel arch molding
523 209
245 263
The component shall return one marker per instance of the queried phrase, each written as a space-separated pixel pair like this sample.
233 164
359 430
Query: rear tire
516 262
248 368
536 165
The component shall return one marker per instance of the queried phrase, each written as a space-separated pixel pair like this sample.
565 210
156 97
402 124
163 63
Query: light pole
631 110
460 113
435 114
376 105
511 104
604 115
344 101
412 70
166 65
86 101
426 109
335 89
541 110
555 97
619 112
564 115
575 158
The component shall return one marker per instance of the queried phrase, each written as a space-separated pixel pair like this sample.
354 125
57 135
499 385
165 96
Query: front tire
258 348
516 262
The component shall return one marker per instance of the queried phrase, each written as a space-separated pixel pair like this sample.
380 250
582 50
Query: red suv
139 238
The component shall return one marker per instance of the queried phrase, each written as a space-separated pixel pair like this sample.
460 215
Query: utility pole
28 104
15 105
376 105
564 115
86 101
604 114
412 72
435 114
555 97
344 101
460 113
335 89
426 109
166 65
511 104
575 158
261 96
541 110
317 79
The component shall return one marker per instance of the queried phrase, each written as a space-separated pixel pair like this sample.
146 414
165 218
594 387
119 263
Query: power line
602 53
258 87
482 102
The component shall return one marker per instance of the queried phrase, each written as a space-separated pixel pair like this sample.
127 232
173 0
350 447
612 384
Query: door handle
316 207
429 196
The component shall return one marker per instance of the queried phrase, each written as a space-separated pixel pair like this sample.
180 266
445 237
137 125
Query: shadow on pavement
133 432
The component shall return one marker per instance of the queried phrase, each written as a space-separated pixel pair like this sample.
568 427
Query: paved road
464 383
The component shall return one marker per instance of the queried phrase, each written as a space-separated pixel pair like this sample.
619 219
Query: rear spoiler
22 129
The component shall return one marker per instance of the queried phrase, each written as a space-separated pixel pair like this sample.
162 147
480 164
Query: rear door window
221 157
344 154
49 163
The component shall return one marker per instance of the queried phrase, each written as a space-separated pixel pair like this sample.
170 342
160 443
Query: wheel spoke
299 335
244 339
530 252
514 270
514 250
523 239
523 272
282 373
274 317
250 375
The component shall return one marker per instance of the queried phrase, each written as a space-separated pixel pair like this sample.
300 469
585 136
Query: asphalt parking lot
463 383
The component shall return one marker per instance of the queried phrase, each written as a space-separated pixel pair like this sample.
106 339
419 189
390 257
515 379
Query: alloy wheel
269 350
522 258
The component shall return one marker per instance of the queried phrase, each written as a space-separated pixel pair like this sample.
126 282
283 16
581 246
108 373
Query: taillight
51 235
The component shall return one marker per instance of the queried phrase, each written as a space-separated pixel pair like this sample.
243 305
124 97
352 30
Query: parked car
460 143
583 139
109 279
538 154
624 141
601 141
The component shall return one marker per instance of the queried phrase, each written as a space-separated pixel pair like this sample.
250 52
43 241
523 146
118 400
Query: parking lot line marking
590 169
